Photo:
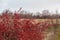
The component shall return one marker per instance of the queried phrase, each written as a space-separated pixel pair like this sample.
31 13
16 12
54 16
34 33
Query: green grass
57 36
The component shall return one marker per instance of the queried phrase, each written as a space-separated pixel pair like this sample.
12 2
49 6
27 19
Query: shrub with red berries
15 28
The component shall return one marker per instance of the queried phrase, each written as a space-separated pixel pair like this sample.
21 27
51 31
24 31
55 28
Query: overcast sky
30 5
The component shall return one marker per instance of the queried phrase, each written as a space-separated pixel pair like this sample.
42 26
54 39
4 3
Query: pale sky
30 5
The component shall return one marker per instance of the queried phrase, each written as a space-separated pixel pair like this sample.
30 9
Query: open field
51 35
47 20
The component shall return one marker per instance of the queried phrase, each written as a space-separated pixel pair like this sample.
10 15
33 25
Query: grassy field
55 36
48 20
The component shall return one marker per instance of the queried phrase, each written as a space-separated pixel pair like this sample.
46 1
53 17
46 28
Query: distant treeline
37 15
